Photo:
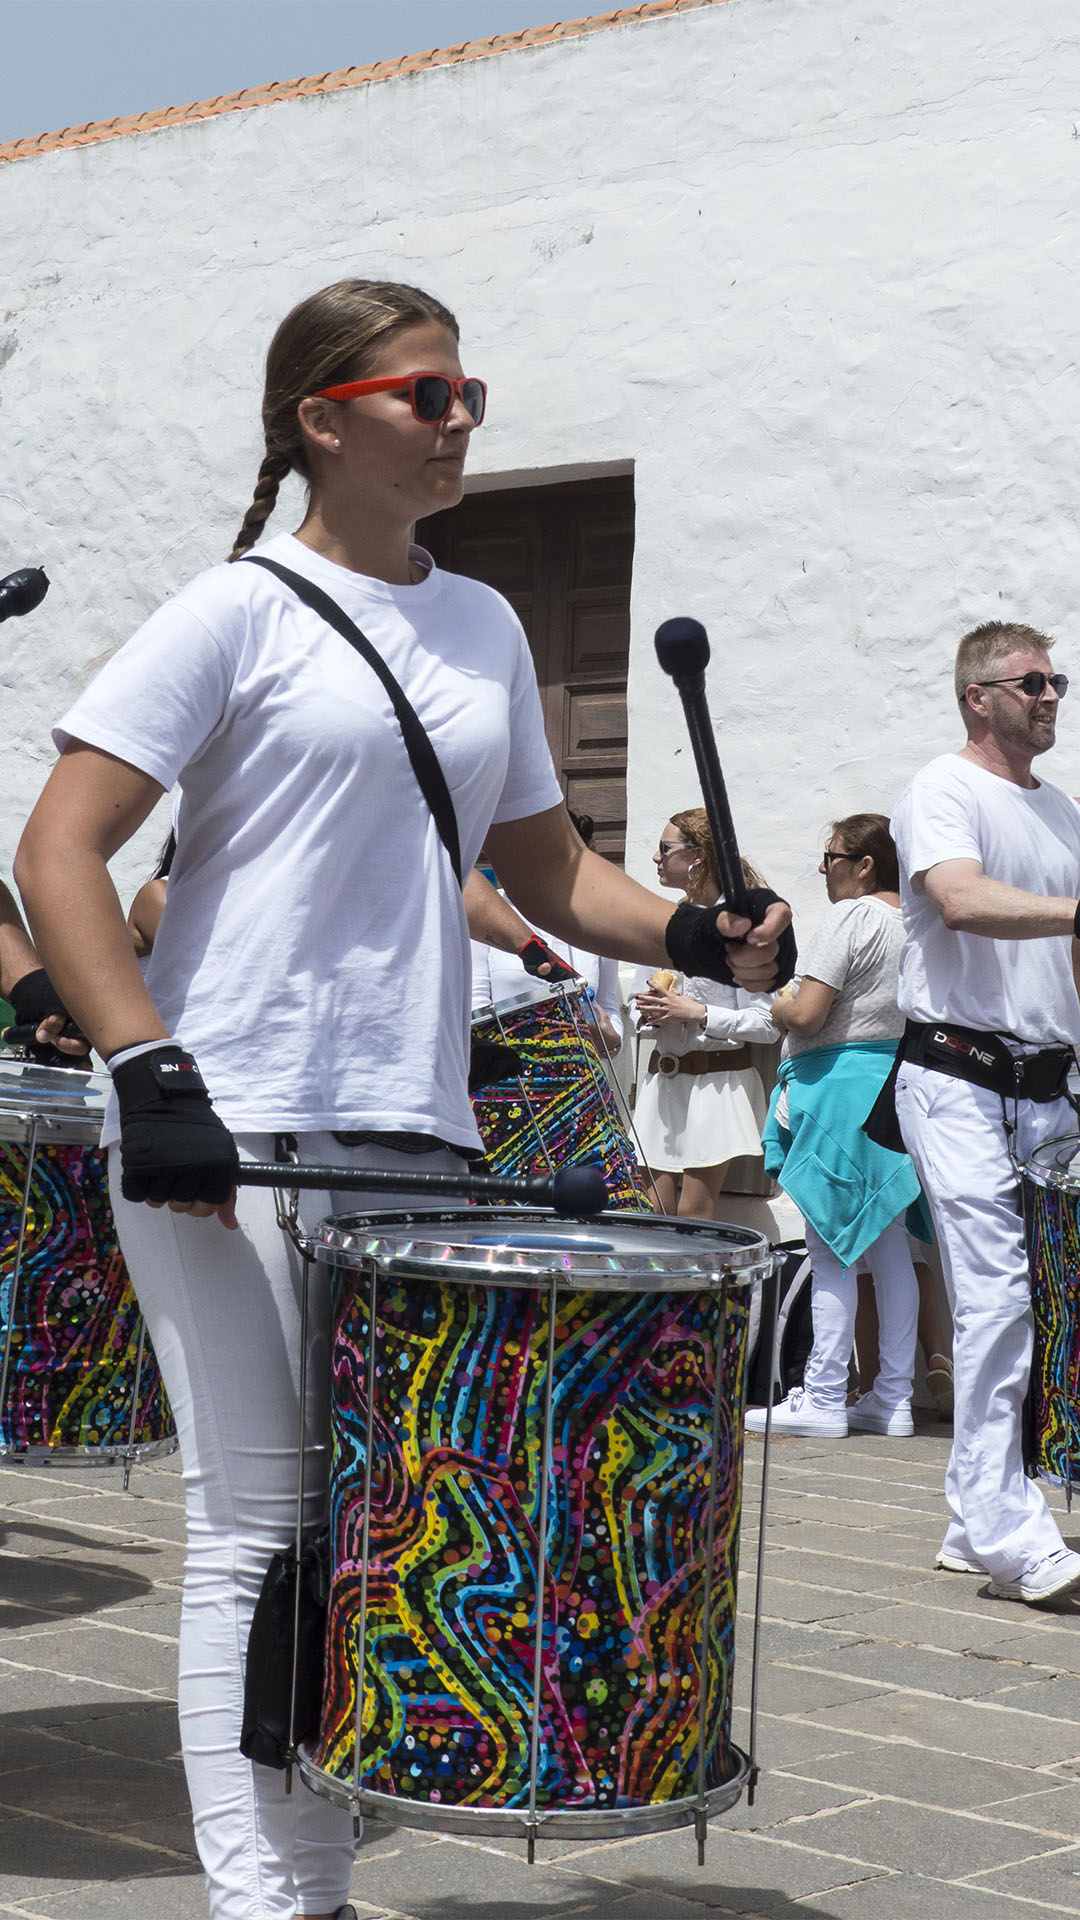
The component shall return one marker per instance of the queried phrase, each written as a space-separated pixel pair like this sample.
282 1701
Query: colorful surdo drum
560 1109
1052 1213
78 1381
535 1500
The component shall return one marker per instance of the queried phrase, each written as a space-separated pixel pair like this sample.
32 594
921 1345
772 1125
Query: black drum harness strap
985 1060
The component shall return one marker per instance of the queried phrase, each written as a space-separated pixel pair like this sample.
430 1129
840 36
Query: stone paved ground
921 1743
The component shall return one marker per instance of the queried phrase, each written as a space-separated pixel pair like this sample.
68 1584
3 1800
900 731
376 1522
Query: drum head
1056 1164
523 1247
67 1103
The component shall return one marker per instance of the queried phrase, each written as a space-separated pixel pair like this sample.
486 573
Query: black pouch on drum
268 1680
490 1063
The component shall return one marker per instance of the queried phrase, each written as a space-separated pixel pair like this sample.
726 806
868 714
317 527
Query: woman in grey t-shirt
842 1023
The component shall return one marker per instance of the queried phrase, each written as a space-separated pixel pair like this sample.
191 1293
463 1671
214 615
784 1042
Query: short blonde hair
985 649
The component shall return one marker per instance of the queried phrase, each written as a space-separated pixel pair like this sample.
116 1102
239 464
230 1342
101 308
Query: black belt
983 1058
967 1053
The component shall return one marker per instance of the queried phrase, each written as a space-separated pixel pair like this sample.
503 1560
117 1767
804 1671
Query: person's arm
969 901
493 923
746 1024
144 916
492 920
804 1012
559 884
18 960
91 805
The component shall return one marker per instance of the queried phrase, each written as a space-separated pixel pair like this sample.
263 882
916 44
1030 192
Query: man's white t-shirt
1028 837
314 953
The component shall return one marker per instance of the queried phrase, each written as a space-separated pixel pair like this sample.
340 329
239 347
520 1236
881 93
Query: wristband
697 947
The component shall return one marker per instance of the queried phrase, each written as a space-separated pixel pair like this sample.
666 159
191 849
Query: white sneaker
799 1414
868 1415
950 1562
1051 1578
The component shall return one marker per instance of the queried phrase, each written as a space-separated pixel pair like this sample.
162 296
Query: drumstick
682 648
570 1189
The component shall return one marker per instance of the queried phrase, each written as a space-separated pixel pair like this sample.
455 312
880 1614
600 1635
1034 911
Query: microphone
21 592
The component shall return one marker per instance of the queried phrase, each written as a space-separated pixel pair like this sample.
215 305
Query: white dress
704 1119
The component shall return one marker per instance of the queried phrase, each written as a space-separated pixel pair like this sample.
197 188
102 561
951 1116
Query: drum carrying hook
287 1204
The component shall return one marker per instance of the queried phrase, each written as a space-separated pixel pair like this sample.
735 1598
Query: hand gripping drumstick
682 648
571 1190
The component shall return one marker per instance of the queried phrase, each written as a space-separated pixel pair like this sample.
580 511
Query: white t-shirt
1028 837
856 949
313 953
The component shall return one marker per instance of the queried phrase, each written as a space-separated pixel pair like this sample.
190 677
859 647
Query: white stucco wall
811 272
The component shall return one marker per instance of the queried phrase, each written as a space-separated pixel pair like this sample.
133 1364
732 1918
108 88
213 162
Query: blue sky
63 62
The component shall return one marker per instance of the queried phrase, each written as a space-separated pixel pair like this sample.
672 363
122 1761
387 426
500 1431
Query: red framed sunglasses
431 395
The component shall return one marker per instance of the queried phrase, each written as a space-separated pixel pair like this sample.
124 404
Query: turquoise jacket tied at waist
848 1188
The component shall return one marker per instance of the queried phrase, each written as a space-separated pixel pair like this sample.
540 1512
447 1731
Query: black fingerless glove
33 999
172 1144
536 954
697 947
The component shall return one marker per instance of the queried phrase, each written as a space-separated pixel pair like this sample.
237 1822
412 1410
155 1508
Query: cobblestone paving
920 1742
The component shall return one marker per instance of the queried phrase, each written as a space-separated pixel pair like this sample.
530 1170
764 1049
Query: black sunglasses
1033 683
827 858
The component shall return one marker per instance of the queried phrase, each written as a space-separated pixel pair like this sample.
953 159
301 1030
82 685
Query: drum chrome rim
540 994
113 1453
1048 1166
612 1252
66 1103
587 1823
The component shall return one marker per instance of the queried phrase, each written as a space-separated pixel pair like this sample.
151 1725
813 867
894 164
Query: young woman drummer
312 956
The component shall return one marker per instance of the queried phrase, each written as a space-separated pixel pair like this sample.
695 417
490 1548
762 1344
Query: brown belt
736 1060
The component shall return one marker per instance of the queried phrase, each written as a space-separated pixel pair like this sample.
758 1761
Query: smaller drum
536 1488
561 1111
1052 1216
78 1381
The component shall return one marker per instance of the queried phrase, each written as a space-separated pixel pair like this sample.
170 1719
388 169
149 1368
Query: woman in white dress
701 1103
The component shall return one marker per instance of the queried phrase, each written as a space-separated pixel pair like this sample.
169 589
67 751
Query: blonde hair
331 337
693 824
985 649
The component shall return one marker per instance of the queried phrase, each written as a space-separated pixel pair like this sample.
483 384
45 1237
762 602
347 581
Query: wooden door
562 556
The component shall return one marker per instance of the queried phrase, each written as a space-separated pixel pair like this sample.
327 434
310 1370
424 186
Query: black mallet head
682 648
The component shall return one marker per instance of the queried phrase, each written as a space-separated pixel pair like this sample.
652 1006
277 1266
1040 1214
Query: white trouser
223 1312
833 1299
955 1134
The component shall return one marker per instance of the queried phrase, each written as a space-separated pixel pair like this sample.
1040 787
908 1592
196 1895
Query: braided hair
331 337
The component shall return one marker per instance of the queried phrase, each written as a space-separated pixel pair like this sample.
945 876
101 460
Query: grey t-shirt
855 949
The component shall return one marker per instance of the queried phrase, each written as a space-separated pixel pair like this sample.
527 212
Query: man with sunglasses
990 878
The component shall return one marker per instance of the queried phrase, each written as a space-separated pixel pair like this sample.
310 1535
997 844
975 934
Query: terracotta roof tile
97 130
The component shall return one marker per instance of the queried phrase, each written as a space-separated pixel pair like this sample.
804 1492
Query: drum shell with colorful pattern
78 1379
441 1365
562 1110
1052 1220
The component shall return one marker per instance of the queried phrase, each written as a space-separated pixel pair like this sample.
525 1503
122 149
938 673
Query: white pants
223 1312
834 1297
955 1134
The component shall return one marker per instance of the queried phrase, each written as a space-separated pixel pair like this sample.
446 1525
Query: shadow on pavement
55 1582
80 1784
